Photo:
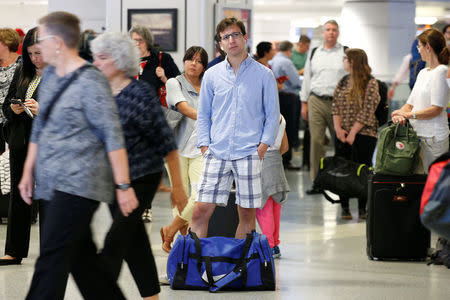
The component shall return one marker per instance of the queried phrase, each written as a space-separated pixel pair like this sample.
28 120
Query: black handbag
343 177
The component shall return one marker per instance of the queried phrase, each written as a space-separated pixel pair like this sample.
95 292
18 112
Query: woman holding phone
19 108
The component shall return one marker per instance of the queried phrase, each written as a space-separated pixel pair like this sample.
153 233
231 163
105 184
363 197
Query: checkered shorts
217 178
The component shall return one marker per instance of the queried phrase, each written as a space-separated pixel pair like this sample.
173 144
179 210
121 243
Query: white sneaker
164 280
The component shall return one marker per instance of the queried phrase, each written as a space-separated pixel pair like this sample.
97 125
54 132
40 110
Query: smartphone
16 101
26 109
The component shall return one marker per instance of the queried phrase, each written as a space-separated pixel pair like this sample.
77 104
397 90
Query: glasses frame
40 39
235 35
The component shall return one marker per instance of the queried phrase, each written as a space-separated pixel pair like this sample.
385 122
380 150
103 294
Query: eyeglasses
139 41
45 37
235 35
419 46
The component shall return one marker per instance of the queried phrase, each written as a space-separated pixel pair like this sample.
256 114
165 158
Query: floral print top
349 111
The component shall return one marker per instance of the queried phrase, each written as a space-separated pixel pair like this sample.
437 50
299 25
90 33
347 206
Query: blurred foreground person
148 139
77 153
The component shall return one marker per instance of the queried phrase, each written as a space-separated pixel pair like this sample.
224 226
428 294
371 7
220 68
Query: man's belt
326 98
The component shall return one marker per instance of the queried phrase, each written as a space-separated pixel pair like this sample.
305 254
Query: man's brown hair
304 39
227 22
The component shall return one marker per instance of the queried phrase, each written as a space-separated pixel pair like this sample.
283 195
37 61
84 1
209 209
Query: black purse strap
63 87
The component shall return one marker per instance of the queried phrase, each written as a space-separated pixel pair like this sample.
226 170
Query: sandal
166 240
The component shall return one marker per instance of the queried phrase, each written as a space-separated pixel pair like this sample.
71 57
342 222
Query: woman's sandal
166 240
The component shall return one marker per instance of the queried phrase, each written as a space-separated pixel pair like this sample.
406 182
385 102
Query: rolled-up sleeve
371 99
204 110
271 109
174 93
306 85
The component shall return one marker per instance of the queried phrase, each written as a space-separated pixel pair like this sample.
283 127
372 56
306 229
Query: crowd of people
80 134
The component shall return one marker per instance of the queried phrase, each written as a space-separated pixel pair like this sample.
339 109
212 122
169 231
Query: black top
18 127
167 63
148 137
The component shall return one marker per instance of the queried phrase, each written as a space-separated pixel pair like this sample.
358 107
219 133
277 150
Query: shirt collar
245 63
337 46
186 84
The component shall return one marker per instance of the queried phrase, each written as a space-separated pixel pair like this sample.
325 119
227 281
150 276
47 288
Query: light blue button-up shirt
237 112
283 66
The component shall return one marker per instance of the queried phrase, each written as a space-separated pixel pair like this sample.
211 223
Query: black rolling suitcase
225 220
394 230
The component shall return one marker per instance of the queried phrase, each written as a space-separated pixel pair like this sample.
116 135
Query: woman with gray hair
148 139
153 69
156 67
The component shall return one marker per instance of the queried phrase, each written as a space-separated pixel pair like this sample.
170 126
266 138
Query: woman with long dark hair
17 130
426 104
354 104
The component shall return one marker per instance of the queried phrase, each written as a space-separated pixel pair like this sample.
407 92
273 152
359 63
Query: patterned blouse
6 76
350 113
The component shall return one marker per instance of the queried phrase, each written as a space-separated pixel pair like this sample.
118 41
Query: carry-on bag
393 227
435 204
216 263
342 177
397 150
224 220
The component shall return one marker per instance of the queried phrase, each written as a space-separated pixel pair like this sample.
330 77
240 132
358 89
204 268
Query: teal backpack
398 150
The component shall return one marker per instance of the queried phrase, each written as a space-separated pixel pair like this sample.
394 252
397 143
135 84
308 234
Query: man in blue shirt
237 120
284 70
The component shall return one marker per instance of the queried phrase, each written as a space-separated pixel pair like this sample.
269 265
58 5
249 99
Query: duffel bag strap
240 270
198 257
329 198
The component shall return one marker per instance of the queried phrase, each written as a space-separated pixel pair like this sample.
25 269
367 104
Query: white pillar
385 29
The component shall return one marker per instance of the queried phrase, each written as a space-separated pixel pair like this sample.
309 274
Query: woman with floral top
355 100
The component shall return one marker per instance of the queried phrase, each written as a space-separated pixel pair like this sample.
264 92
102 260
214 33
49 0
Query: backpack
398 150
382 111
315 48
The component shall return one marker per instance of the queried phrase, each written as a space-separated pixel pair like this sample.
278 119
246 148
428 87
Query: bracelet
414 115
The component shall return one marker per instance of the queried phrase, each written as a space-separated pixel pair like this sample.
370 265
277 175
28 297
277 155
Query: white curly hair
121 49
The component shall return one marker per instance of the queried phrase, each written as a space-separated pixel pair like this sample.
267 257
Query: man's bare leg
200 218
247 221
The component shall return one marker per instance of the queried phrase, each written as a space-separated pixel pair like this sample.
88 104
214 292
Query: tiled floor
322 258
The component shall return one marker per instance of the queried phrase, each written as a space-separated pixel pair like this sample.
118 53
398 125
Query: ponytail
444 56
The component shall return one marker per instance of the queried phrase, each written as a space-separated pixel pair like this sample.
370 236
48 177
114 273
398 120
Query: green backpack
398 150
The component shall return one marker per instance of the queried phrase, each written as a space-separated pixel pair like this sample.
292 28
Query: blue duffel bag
216 263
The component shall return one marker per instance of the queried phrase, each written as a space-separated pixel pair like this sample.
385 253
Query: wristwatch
122 186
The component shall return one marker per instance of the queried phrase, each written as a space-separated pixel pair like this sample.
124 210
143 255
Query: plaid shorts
217 178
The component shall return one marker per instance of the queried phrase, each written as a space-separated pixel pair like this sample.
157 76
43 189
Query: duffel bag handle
240 270
198 254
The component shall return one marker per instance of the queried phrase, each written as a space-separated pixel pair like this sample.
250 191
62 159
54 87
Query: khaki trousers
319 114
191 169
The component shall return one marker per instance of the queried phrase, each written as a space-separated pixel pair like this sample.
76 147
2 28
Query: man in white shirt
322 72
